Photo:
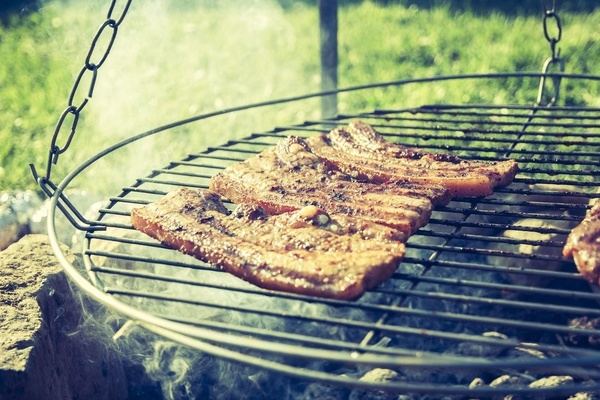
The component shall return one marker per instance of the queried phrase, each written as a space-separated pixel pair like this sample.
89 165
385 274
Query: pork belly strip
288 177
305 252
359 150
583 245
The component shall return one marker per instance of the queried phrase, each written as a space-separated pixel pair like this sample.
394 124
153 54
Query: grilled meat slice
306 252
583 245
288 177
363 153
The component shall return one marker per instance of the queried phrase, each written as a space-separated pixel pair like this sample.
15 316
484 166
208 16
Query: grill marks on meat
288 177
583 245
363 153
326 216
307 252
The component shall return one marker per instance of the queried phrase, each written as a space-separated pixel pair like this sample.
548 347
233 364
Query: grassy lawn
172 63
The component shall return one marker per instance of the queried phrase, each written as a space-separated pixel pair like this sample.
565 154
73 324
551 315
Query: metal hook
556 80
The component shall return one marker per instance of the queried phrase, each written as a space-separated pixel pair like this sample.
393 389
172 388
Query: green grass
168 64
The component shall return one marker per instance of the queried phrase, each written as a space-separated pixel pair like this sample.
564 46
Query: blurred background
176 59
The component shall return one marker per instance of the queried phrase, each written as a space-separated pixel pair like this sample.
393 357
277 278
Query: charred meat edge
196 223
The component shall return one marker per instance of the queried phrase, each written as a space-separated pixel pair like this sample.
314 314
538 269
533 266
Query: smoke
186 60
171 61
179 59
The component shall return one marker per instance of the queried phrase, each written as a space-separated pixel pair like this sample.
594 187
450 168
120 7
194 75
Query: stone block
46 352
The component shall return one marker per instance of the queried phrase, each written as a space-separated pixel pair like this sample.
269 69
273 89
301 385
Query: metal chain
550 14
554 62
93 62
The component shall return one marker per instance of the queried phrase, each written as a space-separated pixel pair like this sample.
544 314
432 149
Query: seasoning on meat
360 151
583 244
307 252
288 177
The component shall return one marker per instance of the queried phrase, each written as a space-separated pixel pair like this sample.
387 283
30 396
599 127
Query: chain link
551 14
89 72
554 62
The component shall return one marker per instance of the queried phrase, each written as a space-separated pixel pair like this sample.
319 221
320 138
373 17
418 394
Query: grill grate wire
464 281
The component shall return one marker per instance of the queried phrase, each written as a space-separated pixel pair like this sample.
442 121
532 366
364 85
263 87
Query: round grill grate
483 286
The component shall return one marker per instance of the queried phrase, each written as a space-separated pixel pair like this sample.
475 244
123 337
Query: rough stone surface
16 209
552 381
377 375
585 396
45 352
477 382
507 380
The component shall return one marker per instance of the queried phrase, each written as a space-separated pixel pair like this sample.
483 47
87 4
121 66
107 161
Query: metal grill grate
482 287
